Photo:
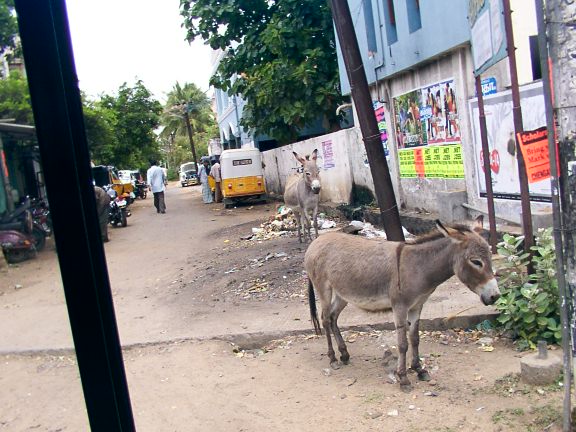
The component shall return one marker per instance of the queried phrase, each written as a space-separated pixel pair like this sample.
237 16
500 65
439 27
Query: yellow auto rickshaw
242 176
105 175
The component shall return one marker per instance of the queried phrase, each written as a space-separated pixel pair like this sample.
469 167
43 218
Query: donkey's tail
313 311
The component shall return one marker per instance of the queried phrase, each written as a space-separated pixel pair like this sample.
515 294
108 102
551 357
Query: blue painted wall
442 26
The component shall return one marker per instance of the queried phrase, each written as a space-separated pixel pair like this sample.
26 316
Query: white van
188 174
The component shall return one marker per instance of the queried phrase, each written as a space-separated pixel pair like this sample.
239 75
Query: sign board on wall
441 162
487 33
428 132
534 147
328 154
488 86
380 113
502 142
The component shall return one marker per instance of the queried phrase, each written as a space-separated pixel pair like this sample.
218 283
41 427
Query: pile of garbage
282 224
368 230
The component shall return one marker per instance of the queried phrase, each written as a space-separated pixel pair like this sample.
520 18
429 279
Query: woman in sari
203 175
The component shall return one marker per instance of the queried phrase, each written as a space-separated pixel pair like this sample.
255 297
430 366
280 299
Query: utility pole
560 24
367 119
565 298
190 137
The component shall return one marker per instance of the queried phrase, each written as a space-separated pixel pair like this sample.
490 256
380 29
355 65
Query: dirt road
185 284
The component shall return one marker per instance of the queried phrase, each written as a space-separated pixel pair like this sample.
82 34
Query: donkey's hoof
335 365
405 384
406 388
423 375
345 358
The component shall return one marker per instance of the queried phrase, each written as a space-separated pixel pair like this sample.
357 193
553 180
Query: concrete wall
421 192
336 181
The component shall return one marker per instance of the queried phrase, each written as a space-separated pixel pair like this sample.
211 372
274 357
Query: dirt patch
287 384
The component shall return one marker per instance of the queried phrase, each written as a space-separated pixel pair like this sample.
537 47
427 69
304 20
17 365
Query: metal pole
486 164
367 119
518 127
65 159
557 214
190 136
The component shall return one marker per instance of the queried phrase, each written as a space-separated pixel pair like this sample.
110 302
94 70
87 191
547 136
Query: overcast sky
121 41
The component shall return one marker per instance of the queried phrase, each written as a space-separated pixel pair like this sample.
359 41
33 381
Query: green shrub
529 305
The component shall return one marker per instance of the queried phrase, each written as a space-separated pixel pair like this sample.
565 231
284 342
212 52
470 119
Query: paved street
160 264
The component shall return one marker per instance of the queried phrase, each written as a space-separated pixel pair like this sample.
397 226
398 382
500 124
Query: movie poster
428 132
428 115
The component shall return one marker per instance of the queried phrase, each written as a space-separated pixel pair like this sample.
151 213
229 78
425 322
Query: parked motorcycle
17 246
42 223
141 189
16 234
20 219
118 212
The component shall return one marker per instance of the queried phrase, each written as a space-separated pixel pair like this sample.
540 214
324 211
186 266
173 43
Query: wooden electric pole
367 119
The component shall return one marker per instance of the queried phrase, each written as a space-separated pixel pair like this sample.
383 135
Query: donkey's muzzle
489 293
316 186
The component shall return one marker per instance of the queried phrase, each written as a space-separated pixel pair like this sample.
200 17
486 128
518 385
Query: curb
249 341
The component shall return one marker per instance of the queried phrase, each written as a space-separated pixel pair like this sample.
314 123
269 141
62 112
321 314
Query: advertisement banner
428 115
502 141
428 132
380 113
534 147
440 162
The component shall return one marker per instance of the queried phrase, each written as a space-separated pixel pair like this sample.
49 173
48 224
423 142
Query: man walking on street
215 174
156 178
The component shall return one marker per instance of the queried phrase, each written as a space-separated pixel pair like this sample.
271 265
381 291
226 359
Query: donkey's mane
435 235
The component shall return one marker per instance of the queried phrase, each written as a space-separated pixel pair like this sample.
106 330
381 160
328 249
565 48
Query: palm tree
187 111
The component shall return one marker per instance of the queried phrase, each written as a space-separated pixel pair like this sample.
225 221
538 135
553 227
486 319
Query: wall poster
380 112
428 132
502 142
328 154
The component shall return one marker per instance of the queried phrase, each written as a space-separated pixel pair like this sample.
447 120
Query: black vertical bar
66 163
486 164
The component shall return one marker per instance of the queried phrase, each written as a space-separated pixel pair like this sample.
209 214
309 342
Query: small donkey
302 194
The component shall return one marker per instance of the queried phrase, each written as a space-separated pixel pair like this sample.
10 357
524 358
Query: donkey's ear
449 232
478 224
315 154
299 158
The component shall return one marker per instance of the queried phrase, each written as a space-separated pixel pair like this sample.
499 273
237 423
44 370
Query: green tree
8 26
187 114
133 115
280 56
15 99
99 133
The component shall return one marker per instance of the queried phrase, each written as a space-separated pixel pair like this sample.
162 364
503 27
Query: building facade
418 62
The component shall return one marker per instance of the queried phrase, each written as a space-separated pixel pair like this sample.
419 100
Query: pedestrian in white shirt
215 174
156 181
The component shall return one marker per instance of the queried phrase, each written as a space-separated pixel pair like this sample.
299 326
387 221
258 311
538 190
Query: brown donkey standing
379 275
302 194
